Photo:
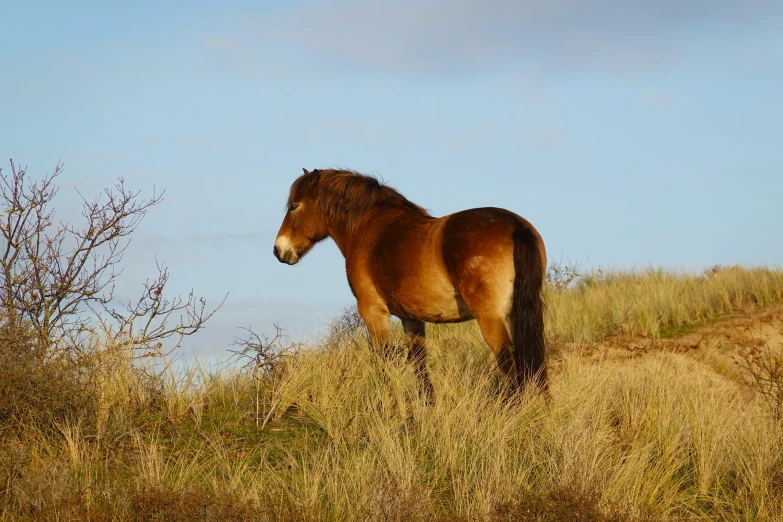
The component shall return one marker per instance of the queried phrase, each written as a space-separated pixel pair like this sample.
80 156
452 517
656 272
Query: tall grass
349 438
655 301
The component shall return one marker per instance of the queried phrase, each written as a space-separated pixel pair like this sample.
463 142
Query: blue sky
629 133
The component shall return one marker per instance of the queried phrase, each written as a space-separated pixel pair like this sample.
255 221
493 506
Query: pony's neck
341 238
343 234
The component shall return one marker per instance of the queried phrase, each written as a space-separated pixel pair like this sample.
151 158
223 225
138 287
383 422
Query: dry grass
656 302
657 437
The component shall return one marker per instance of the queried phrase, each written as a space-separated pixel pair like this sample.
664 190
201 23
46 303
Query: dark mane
344 196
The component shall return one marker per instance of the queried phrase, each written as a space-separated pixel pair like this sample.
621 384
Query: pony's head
303 225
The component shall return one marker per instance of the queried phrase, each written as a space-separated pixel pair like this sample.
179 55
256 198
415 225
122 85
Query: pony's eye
292 207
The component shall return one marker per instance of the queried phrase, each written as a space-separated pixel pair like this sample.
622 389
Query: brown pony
486 264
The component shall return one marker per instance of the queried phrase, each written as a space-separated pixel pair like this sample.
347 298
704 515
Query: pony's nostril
276 251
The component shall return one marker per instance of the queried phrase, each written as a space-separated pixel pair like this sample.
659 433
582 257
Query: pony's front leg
417 354
377 320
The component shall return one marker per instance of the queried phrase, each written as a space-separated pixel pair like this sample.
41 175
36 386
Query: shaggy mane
344 196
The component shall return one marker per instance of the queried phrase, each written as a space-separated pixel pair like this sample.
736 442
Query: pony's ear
310 178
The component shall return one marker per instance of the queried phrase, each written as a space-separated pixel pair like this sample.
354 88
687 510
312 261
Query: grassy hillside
332 433
656 302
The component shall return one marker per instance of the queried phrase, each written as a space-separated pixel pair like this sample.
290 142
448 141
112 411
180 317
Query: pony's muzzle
286 256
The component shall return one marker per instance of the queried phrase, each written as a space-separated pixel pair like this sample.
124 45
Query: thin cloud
456 37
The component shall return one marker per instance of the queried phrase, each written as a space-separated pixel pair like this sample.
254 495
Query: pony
486 264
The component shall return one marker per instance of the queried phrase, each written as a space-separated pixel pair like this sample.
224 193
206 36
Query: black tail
527 312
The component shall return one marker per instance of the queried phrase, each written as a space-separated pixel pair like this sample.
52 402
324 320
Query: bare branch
54 272
560 275
148 321
261 354
762 369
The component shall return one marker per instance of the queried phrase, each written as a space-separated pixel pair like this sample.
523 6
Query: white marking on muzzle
282 243
285 251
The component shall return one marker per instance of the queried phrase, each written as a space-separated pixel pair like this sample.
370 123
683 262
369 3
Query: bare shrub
343 327
264 358
148 321
57 278
762 368
560 275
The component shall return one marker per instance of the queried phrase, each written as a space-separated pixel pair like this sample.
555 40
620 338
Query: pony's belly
458 313
440 309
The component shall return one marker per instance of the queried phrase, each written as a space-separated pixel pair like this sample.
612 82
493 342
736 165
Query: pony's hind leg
417 354
495 333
